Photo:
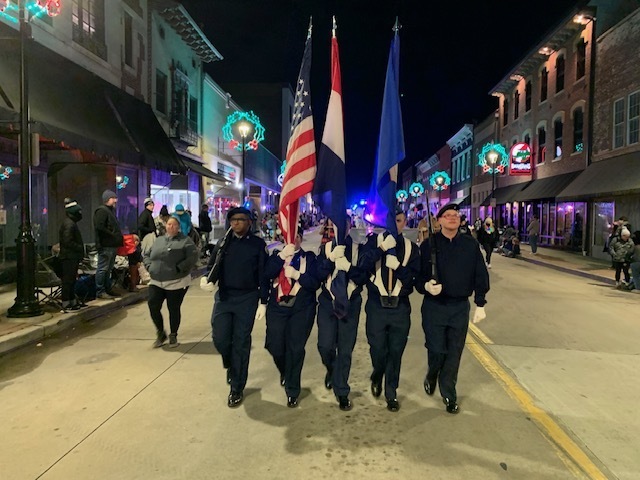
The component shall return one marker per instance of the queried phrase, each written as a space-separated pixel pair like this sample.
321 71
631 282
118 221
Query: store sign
227 171
520 159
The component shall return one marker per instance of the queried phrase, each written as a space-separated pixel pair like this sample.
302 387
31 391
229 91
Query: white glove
337 252
388 243
291 272
433 287
288 251
392 262
261 312
479 315
206 285
343 264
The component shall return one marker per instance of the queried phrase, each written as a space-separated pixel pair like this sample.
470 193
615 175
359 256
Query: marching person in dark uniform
237 264
337 337
393 264
460 271
71 253
291 312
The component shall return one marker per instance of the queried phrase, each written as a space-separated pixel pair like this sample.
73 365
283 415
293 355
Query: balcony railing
89 42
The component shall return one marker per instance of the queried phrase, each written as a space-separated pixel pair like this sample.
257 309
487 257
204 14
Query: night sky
452 54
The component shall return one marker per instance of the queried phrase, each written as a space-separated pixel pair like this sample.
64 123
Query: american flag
301 152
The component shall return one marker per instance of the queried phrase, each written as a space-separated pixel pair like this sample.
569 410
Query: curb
51 323
571 271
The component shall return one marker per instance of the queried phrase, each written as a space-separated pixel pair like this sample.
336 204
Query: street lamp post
493 158
440 181
244 131
26 302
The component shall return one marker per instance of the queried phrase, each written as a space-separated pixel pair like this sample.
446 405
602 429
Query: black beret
448 206
235 211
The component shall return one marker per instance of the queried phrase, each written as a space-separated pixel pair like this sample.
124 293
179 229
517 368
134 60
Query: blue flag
382 199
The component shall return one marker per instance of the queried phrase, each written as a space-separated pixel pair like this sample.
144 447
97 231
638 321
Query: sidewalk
18 332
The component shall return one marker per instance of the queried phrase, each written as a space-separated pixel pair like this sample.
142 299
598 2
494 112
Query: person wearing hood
71 253
621 250
488 237
184 218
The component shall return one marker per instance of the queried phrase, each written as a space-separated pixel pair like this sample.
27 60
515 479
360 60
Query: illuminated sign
520 159
227 171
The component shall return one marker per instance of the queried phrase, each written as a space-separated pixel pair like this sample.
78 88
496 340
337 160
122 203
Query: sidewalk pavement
19 332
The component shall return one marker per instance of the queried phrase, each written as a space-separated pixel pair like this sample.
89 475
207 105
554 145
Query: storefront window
127 206
603 214
170 197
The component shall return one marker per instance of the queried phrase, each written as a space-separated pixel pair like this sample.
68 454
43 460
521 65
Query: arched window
516 105
557 137
544 84
581 58
578 129
560 73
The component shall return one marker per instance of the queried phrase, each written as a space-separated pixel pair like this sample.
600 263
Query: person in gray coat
170 261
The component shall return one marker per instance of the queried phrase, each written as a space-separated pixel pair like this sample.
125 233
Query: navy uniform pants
445 328
288 329
336 339
232 323
387 333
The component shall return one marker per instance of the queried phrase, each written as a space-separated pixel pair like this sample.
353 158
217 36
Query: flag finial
396 27
334 26
310 27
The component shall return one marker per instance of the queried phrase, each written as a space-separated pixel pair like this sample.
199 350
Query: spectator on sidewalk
161 221
71 253
533 230
621 250
206 227
465 228
108 239
635 262
147 226
169 263
488 238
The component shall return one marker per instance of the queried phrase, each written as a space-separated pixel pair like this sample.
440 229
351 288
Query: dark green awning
544 188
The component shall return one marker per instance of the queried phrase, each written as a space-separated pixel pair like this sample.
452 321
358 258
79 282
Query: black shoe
113 293
173 340
452 406
235 399
228 376
393 405
429 385
345 403
162 337
71 308
376 388
105 296
292 402
282 380
327 380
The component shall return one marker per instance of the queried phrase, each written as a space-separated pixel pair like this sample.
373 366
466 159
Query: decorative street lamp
402 195
26 302
243 128
416 189
493 158
440 181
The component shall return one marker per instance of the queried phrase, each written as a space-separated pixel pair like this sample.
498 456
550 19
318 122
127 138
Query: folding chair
48 285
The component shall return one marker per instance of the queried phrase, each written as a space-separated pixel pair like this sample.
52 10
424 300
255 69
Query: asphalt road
547 390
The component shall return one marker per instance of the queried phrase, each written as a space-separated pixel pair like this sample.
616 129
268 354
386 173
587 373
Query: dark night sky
452 54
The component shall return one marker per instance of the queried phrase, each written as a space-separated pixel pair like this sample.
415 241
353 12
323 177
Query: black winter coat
71 243
146 224
108 232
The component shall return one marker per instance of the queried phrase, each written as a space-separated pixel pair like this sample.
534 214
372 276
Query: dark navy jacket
460 266
325 267
309 281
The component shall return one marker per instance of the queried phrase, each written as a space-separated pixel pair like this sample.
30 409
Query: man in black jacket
71 253
460 271
205 226
146 223
241 298
108 239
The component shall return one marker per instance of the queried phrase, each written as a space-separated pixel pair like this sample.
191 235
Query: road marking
549 427
480 334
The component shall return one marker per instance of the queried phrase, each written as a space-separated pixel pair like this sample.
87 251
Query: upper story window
527 96
560 73
544 84
542 144
505 111
516 104
557 137
633 117
87 17
618 123
581 59
128 40
193 113
161 92
578 130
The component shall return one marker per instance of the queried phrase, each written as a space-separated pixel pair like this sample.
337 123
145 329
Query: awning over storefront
462 201
200 169
544 188
617 176
505 194
75 108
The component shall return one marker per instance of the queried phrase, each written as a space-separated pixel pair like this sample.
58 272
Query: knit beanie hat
107 194
71 206
625 232
147 201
